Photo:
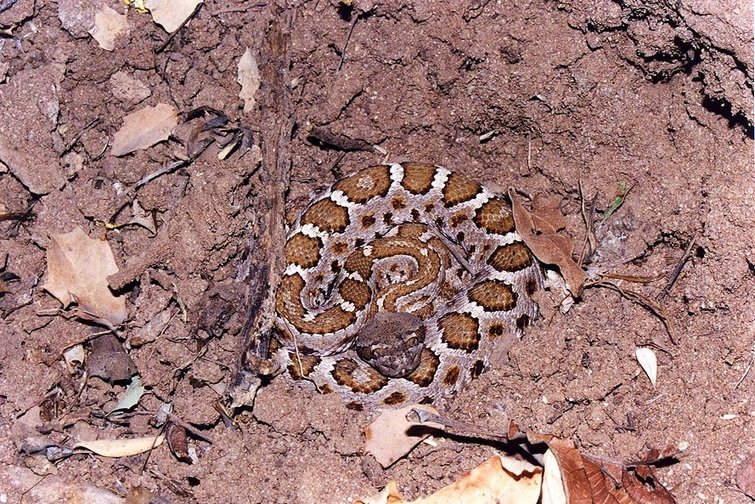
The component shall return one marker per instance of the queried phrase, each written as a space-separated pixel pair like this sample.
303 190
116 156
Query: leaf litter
77 271
249 79
131 397
171 14
391 436
648 362
553 471
144 128
539 231
124 447
108 26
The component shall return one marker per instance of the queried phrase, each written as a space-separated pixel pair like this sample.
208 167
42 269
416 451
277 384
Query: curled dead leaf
178 442
592 479
77 271
649 363
539 232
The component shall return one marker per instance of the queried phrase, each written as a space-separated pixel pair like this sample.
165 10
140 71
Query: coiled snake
401 280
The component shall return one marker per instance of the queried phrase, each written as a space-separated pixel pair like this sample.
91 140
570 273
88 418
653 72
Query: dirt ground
543 96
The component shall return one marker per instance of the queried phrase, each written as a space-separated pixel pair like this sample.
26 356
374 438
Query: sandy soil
657 97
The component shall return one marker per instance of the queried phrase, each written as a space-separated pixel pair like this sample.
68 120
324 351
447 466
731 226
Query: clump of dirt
545 98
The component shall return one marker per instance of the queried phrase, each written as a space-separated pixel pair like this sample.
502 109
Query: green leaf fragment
617 201
134 392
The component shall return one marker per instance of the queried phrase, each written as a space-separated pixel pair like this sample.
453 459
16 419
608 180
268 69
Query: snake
401 281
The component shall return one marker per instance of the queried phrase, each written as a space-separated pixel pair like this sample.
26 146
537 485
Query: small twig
744 375
149 452
677 270
346 44
172 35
644 301
245 8
588 216
453 248
6 4
459 428
628 427
301 366
22 216
552 419
334 165
640 279
529 154
127 197
91 124
175 419
169 168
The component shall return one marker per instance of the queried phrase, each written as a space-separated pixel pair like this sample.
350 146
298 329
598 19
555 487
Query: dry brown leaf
108 26
109 361
592 480
388 438
171 14
249 78
77 271
178 442
488 483
144 128
539 232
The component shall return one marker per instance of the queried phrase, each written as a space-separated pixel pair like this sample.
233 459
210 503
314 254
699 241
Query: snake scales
400 282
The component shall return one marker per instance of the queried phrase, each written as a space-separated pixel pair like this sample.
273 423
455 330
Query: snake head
392 343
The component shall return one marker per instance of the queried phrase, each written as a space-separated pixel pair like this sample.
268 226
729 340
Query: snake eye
413 340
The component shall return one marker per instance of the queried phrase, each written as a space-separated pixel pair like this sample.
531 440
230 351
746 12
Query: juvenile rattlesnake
401 280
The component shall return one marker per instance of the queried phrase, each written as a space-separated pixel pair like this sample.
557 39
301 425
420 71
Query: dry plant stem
630 278
454 426
194 431
346 44
86 338
588 216
127 198
169 168
746 372
644 301
149 452
677 270
90 125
